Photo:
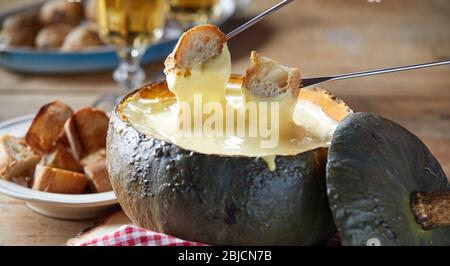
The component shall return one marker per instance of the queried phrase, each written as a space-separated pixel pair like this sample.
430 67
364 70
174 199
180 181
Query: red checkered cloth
129 235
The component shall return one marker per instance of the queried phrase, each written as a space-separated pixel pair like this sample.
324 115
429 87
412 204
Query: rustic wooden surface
319 36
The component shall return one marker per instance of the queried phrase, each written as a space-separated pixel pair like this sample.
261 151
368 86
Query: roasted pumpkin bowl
219 199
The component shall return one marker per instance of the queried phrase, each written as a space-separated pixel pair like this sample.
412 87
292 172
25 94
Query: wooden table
319 36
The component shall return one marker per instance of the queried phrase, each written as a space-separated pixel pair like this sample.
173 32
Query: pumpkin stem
431 209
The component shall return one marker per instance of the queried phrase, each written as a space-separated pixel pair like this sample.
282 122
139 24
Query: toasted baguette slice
61 158
71 134
93 157
47 125
267 78
98 176
56 180
92 126
195 46
17 159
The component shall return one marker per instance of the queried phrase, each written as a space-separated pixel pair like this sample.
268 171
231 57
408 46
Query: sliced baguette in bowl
98 176
17 159
48 179
47 125
61 158
91 126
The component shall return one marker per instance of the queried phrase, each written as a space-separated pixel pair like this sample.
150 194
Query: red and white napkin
130 235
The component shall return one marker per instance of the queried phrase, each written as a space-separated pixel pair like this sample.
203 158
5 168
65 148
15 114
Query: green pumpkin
217 199
374 167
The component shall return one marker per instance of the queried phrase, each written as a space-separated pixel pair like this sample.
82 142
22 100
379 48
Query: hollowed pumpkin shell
219 199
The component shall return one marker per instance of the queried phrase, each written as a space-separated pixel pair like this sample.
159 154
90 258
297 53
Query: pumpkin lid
375 167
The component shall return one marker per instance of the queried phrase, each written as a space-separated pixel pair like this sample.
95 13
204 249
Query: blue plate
29 60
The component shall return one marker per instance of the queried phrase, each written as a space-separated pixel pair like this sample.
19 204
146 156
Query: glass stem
129 74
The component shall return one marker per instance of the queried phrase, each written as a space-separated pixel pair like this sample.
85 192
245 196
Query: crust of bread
19 161
257 77
98 176
56 180
47 125
71 134
61 158
91 126
62 139
196 45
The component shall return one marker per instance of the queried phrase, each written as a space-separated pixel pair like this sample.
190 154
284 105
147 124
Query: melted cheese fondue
301 129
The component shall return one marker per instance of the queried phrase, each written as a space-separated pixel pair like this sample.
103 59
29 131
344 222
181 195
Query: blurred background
321 37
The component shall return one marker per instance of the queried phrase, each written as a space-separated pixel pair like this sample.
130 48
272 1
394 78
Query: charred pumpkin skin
374 166
218 200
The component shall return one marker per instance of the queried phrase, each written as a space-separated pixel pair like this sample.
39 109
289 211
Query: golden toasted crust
62 138
55 180
268 78
196 45
47 125
91 125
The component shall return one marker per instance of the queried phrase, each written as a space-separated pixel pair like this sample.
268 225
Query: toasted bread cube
195 46
56 180
47 125
268 78
61 158
98 176
92 126
16 158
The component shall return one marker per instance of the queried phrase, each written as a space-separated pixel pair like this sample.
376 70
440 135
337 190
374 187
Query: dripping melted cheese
304 128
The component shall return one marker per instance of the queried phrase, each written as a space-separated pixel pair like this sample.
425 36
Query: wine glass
189 13
129 25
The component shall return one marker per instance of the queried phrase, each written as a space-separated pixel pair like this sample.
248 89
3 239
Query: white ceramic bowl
63 206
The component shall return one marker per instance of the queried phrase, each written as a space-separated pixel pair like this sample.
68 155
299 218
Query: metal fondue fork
312 81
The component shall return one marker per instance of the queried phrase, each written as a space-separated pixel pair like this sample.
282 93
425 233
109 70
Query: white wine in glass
191 12
130 25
